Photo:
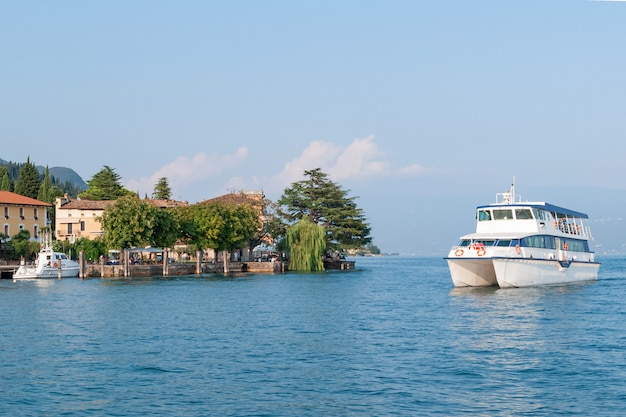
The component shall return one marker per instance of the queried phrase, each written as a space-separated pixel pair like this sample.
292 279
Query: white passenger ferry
521 244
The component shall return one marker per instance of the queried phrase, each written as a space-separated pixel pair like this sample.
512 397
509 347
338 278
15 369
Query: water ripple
390 338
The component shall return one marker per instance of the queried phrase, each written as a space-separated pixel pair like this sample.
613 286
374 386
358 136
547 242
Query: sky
421 109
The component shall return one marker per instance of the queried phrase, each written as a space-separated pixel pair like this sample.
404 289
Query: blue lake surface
392 337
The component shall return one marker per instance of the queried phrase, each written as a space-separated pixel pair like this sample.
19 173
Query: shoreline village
107 230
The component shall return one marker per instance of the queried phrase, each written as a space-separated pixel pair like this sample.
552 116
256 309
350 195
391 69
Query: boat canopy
540 205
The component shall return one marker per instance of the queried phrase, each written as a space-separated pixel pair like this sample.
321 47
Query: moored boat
49 264
521 244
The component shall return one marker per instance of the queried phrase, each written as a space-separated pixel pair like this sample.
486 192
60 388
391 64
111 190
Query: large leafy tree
325 203
105 185
162 190
133 222
27 183
22 244
93 248
218 226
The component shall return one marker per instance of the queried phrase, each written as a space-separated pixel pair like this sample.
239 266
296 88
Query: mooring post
198 262
81 264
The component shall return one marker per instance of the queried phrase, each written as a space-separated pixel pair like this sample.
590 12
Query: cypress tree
45 189
27 183
5 180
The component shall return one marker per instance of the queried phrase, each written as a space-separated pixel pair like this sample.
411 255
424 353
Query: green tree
306 243
5 179
27 183
222 226
133 222
45 189
104 185
162 190
21 243
93 248
218 226
325 203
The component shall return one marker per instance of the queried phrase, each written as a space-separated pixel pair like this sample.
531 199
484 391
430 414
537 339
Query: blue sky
422 109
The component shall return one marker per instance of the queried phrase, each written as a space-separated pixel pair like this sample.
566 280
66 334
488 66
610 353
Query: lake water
390 338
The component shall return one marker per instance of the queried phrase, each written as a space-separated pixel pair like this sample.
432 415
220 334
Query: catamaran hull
516 272
531 272
472 272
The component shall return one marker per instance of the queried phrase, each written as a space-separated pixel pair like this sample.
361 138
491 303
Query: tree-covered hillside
66 179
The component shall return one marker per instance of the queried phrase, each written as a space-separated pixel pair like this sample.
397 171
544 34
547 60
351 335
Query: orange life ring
481 252
459 252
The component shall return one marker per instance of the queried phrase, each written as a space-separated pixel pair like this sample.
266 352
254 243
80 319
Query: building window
6 212
82 226
22 213
70 228
21 227
36 213
6 230
36 231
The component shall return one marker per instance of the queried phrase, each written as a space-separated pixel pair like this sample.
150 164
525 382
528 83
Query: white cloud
184 171
361 159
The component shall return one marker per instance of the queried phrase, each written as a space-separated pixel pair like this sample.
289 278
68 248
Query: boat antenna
513 189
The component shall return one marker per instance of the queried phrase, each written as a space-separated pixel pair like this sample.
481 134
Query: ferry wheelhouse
520 244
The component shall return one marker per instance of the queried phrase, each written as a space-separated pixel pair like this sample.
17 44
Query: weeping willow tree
306 242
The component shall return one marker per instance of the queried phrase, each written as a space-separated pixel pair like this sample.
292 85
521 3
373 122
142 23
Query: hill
62 175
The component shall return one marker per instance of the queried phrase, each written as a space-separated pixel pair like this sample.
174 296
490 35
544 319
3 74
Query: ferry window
523 214
484 215
576 245
503 214
503 242
485 242
539 241
464 242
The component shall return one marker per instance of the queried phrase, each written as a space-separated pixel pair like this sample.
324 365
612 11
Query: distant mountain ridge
62 174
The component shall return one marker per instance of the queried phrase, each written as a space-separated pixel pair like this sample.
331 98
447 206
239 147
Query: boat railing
575 229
